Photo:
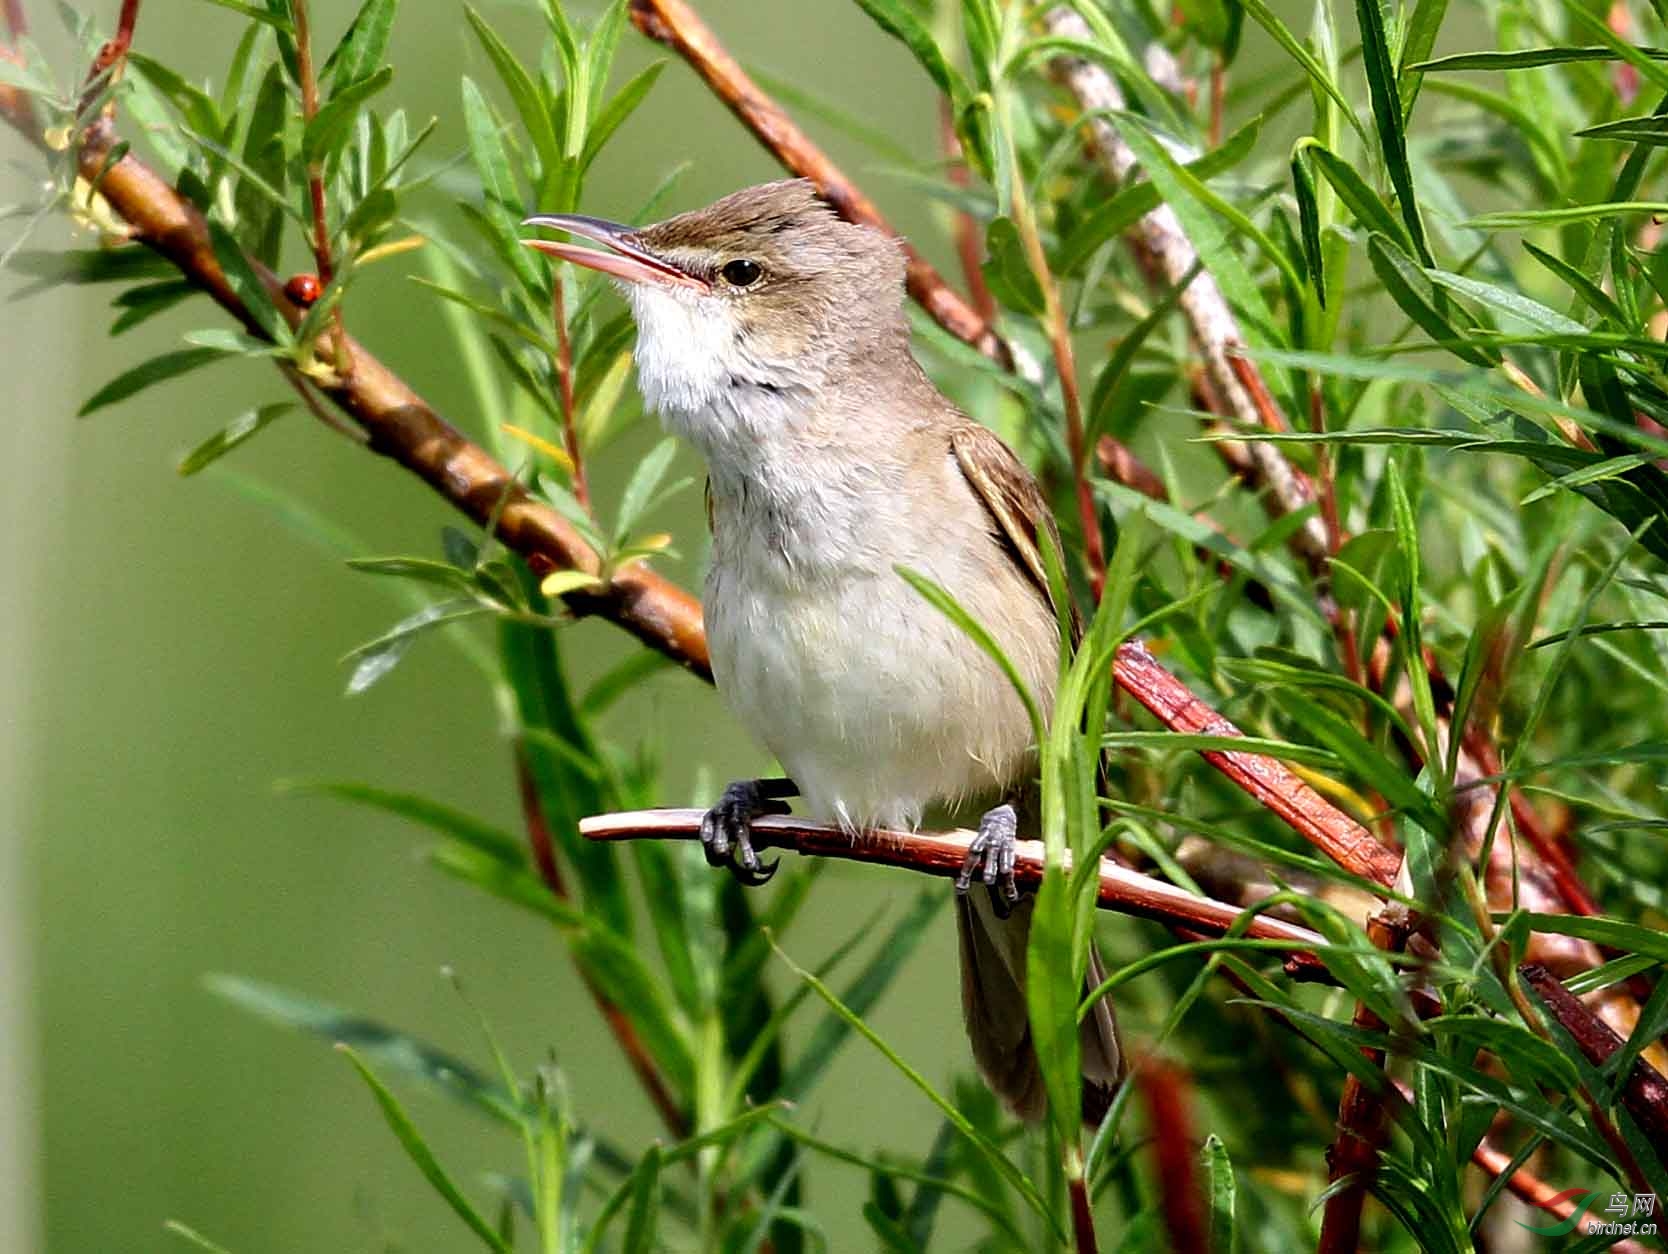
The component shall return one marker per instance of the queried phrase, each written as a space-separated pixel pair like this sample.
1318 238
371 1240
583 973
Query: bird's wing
1013 499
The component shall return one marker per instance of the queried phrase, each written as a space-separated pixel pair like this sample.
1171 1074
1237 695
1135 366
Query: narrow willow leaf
256 13
246 426
862 993
642 1226
418 1151
362 46
1366 204
1509 302
1219 1189
1618 934
1609 468
1526 58
1308 219
1133 203
529 102
621 105
1409 286
1260 13
155 370
1182 193
434 815
640 491
987 1149
897 21
329 128
1562 217
374 659
1006 270
395 1051
1596 298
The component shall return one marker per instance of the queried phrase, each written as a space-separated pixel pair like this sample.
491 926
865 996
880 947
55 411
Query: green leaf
155 370
436 816
1185 195
1588 289
246 426
195 105
1529 1059
418 1151
1219 1191
1052 989
862 993
988 1150
255 13
410 1058
1651 130
639 495
529 103
1133 203
362 46
1506 301
233 343
1410 287
1564 216
1309 226
139 304
896 20
375 658
329 127
1611 933
1265 17
1361 200
1007 271
620 106
643 1224
1526 58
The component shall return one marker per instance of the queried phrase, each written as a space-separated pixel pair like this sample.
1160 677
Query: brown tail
993 1004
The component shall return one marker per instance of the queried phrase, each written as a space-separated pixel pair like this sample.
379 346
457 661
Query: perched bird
771 335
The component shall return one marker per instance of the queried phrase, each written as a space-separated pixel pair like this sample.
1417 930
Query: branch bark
942 854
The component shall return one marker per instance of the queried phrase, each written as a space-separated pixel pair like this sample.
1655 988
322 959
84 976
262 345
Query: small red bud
303 289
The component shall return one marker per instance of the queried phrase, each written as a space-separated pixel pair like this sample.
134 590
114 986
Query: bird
772 336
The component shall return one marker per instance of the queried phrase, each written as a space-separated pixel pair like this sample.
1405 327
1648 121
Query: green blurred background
169 649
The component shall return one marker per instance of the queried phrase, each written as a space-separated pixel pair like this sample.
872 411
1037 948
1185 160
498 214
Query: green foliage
1456 295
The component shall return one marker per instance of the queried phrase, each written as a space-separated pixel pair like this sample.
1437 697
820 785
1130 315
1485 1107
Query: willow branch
942 854
1533 1191
1165 243
675 24
404 427
1363 1123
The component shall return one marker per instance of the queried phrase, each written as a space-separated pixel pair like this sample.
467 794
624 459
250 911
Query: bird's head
764 294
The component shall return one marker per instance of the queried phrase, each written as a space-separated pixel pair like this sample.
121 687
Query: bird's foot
727 828
992 853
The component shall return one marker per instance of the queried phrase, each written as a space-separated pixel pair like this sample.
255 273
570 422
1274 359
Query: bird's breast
875 703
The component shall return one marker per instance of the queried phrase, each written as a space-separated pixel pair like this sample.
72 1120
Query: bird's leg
995 848
726 830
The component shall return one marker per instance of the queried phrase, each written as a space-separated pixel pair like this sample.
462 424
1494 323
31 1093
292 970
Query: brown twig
404 427
619 1023
1181 1201
1363 1124
564 392
1065 365
970 244
315 183
111 58
1269 781
943 854
675 24
1645 1092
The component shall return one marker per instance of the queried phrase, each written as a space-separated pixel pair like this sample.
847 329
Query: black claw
993 854
726 829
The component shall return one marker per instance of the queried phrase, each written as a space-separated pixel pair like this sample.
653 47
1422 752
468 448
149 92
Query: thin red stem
564 389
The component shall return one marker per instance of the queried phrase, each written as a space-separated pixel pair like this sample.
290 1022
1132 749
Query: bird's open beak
627 259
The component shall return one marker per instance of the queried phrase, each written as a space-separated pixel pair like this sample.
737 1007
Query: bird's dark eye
741 272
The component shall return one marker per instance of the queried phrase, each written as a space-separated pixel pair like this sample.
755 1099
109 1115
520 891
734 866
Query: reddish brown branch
404 427
675 24
1645 1091
942 854
112 55
619 1023
322 257
1271 782
1363 1123
564 393
1170 1125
